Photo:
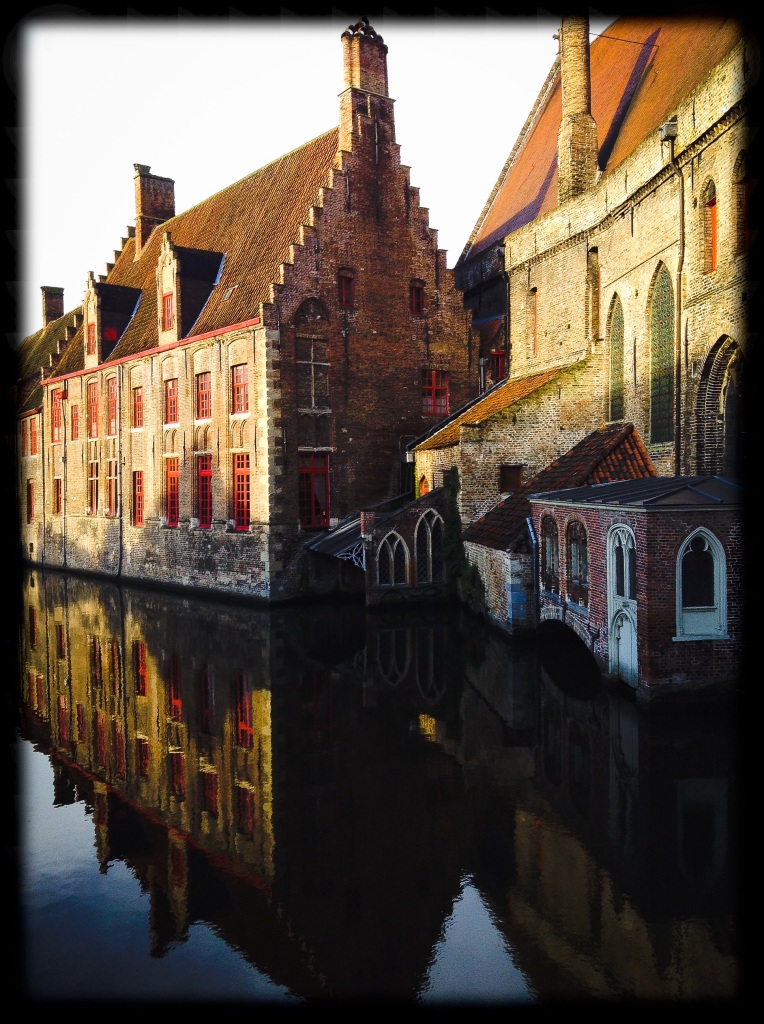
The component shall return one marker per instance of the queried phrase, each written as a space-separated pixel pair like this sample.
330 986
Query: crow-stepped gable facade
248 372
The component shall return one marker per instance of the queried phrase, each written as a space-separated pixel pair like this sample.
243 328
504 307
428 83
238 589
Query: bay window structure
701 576
434 392
171 400
172 490
239 390
314 490
203 396
204 490
241 491
577 558
550 555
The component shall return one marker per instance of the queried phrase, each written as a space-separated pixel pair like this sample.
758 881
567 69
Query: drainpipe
668 133
535 547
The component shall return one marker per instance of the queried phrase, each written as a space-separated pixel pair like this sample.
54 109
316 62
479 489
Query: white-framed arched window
392 562
701 588
428 545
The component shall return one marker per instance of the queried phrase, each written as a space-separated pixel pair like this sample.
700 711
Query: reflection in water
221 801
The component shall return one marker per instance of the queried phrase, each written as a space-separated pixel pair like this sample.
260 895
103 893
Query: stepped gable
253 223
613 452
641 68
40 354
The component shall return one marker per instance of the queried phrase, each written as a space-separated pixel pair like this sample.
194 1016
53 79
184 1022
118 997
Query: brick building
649 574
610 270
247 373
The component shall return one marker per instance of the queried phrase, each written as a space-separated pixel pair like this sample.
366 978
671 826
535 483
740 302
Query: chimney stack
365 71
52 304
154 203
577 138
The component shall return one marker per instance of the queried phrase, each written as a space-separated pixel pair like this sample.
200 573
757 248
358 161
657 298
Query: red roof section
613 452
641 67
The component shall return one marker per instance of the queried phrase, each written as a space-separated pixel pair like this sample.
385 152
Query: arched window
392 562
709 210
592 295
623 568
616 332
550 555
662 358
577 558
701 588
429 548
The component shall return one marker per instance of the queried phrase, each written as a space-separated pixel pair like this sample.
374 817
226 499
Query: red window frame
168 311
33 436
96 661
498 365
60 641
241 491
93 408
434 392
204 490
63 720
210 792
139 668
171 400
239 391
172 491
345 288
177 773
24 437
91 339
245 811
100 749
244 714
138 498
58 496
30 501
416 298
75 418
137 407
56 417
313 490
174 693
93 488
111 406
203 396
112 487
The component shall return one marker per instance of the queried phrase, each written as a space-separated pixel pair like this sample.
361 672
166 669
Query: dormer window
168 311
416 298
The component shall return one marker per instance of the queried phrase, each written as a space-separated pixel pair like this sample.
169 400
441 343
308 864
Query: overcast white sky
207 101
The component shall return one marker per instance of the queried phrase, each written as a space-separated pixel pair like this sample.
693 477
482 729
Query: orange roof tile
641 67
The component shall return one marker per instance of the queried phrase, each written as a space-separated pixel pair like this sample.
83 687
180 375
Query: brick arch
312 316
717 411
202 438
170 438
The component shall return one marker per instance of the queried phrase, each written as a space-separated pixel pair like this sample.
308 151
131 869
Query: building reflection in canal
365 805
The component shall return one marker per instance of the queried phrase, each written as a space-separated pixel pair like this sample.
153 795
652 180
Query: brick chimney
577 138
154 203
52 304
365 71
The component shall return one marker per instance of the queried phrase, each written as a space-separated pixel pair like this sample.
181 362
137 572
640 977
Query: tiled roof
671 491
500 397
641 67
40 350
614 452
253 223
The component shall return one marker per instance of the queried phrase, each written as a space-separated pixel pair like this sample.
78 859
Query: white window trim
716 612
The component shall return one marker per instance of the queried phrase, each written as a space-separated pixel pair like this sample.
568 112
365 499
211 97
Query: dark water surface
221 802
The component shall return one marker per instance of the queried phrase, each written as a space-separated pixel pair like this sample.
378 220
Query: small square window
510 478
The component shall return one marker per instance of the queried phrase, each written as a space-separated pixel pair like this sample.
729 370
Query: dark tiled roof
41 350
614 452
253 223
499 398
712 491
641 67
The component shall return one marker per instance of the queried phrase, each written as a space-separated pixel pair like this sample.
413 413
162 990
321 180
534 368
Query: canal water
324 803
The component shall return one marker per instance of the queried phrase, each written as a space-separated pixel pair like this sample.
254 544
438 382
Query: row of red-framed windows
346 292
